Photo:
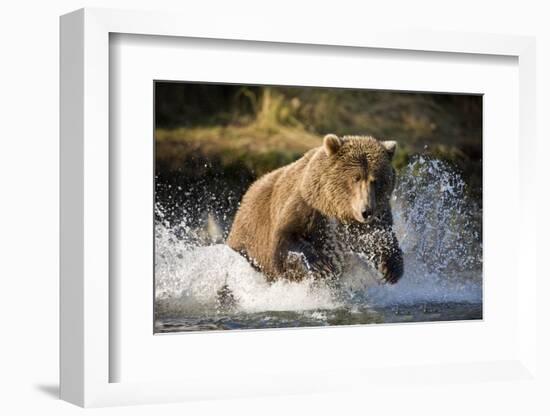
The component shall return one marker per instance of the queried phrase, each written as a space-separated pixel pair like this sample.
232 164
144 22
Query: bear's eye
357 178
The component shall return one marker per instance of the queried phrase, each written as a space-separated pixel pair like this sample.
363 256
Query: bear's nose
367 212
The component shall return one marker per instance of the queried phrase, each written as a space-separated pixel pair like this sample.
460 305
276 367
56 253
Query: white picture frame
85 353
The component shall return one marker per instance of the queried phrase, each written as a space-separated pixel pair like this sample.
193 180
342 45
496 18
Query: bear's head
350 178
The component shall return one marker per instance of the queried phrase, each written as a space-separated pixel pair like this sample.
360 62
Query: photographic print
290 206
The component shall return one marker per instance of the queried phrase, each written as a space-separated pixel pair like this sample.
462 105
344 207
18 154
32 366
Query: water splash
437 224
188 278
438 228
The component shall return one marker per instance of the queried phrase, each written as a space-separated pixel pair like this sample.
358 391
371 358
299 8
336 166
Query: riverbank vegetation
237 133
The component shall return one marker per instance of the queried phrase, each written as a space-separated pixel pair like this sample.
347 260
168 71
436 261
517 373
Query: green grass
258 148
287 122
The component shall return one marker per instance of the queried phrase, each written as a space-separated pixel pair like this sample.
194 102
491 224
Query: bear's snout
367 213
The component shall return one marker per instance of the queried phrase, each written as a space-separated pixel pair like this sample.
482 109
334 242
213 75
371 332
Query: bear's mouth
365 219
358 217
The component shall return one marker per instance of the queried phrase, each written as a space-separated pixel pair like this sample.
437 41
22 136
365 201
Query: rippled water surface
424 312
438 229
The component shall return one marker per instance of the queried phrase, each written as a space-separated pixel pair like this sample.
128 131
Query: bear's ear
332 144
390 147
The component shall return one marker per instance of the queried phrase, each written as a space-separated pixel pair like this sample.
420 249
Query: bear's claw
392 270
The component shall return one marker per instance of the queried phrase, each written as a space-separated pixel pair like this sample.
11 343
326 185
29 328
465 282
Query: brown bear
305 218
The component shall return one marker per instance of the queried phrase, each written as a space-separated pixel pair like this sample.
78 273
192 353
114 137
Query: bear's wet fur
304 218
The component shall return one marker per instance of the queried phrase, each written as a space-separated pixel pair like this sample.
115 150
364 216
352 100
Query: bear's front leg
390 263
378 246
312 261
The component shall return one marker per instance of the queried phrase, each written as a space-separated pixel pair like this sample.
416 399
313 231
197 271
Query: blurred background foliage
208 132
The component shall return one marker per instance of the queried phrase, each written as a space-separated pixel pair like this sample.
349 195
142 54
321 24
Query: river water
439 229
